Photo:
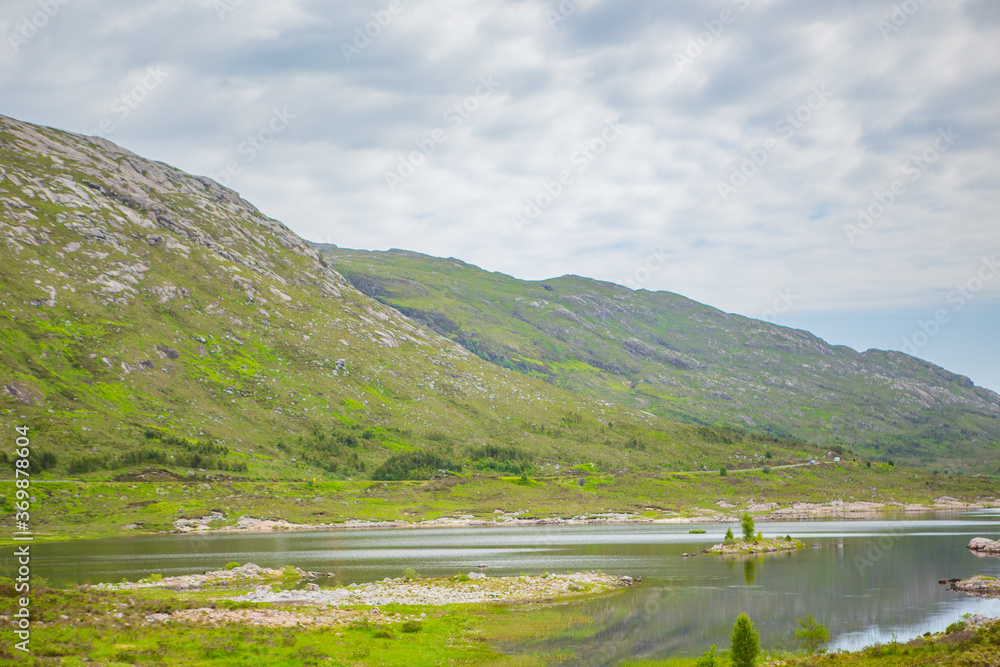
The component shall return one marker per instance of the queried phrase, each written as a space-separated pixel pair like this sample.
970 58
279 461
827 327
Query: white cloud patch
748 86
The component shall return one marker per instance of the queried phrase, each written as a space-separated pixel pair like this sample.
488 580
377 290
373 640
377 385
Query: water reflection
865 580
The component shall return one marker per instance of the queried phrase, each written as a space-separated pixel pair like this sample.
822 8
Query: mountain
680 359
154 318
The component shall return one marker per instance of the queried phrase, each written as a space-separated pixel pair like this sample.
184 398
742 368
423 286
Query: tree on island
812 634
729 538
748 528
745 643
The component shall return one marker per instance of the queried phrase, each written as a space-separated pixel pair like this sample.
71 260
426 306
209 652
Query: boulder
983 545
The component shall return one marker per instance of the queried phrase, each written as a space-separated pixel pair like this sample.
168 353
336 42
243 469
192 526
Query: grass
110 628
85 626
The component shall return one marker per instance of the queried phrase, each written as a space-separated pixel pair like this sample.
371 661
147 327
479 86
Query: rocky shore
472 588
278 599
980 586
762 511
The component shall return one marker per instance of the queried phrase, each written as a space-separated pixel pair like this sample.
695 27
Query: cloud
689 125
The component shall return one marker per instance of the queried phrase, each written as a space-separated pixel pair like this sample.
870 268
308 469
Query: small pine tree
812 634
723 472
729 536
708 659
745 643
748 528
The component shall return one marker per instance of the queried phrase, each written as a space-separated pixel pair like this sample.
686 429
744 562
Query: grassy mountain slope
150 317
677 358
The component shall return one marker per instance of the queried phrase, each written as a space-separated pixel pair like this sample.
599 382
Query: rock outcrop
984 546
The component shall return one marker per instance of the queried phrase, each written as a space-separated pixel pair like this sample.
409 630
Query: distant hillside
680 359
154 318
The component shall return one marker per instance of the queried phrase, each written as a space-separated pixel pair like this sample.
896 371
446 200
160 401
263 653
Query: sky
831 166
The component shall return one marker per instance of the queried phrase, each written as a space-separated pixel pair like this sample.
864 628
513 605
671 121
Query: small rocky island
981 586
753 543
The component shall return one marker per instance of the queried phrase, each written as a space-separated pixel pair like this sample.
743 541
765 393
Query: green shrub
812 634
231 566
708 659
955 627
745 643
746 523
723 472
412 626
412 465
410 573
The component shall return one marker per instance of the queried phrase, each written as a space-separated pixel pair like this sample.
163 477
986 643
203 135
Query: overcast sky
722 150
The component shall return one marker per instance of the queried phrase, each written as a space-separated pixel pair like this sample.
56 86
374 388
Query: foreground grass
87 626
970 647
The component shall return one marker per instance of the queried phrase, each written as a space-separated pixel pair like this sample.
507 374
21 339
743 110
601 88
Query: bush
745 643
767 470
811 634
231 566
412 626
957 626
46 461
410 573
723 472
708 659
412 465
509 459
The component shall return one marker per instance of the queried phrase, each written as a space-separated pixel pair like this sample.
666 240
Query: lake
867 581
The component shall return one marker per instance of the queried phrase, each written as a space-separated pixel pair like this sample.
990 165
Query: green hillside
151 318
686 361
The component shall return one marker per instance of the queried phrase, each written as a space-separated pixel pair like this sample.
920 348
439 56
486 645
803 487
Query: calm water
866 580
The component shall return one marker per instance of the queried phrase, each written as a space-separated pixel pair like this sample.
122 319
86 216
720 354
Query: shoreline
727 513
833 510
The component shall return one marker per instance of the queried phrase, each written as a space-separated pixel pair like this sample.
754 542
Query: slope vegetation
680 359
153 318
